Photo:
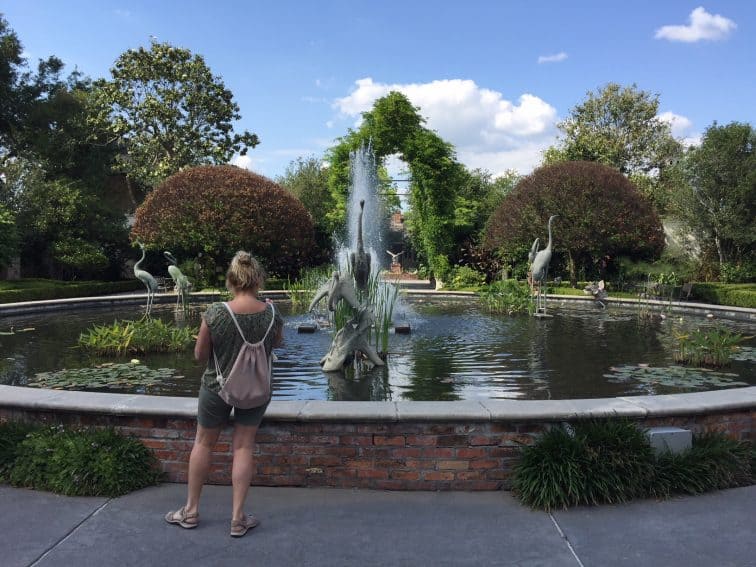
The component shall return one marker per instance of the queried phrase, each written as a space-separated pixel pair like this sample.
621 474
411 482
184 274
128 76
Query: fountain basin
460 445
456 351
386 445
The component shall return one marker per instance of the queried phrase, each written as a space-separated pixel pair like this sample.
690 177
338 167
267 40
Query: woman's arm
204 345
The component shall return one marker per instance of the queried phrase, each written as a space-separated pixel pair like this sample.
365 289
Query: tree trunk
720 253
571 269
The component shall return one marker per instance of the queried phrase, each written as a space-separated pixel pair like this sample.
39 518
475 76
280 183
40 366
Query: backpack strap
238 327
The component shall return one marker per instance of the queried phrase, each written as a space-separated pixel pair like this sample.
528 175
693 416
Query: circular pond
456 351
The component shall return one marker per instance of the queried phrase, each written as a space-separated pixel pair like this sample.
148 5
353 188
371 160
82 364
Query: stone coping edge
460 411
729 312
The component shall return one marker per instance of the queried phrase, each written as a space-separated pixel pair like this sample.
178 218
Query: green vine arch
394 126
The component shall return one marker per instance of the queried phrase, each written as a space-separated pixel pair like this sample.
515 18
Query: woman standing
219 336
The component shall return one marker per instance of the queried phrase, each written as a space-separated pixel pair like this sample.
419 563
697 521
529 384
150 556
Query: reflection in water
456 351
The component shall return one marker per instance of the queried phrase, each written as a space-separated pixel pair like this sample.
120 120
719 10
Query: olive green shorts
213 412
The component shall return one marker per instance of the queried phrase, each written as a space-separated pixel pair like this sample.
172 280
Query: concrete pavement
332 527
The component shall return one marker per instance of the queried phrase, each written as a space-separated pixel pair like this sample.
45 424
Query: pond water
456 351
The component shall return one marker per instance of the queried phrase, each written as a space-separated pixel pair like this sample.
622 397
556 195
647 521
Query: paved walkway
330 527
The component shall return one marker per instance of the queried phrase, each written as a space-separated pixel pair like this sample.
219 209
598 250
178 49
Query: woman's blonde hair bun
245 273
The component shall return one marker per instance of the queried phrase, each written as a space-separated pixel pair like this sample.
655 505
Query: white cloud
679 124
702 26
125 14
245 162
487 130
556 58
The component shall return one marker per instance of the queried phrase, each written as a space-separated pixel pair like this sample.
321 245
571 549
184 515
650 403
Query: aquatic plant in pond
508 297
302 290
107 375
142 336
673 377
708 347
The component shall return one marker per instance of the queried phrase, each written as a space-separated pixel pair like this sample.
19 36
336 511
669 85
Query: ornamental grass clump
593 463
136 337
87 462
713 462
708 347
507 297
603 461
11 435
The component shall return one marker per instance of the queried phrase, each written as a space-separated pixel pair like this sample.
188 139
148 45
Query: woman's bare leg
242 469
199 465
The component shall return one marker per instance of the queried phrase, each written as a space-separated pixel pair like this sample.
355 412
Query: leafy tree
8 236
20 88
169 112
213 211
619 126
719 200
307 180
601 216
65 230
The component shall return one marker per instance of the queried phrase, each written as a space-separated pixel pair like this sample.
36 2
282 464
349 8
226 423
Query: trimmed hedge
63 290
735 295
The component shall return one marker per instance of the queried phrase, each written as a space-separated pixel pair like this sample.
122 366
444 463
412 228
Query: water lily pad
108 375
680 377
744 354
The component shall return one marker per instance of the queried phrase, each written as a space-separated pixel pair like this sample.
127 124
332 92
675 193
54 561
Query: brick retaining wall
420 454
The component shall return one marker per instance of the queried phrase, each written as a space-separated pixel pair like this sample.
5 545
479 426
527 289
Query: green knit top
227 341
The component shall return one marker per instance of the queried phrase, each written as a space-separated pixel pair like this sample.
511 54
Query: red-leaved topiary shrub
219 209
601 216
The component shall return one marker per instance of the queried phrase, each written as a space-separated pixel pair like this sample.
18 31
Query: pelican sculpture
539 267
181 282
336 289
146 278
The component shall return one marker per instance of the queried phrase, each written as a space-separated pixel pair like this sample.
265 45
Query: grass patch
83 462
601 461
33 289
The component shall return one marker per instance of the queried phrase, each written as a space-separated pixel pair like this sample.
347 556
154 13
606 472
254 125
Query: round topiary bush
213 211
601 216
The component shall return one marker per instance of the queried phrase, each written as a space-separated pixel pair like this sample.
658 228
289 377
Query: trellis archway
394 126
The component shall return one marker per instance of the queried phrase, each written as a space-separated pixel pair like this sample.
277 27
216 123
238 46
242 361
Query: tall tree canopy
620 127
394 126
168 111
601 216
54 168
719 200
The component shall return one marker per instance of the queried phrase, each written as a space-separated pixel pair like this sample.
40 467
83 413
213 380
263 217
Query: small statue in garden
146 278
539 269
598 291
182 283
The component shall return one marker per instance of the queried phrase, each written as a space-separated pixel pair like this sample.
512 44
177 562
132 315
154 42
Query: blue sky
492 77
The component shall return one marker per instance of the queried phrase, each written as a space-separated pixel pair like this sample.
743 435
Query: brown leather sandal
241 527
181 518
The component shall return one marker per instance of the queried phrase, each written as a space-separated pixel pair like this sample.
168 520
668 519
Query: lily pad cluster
109 375
674 377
